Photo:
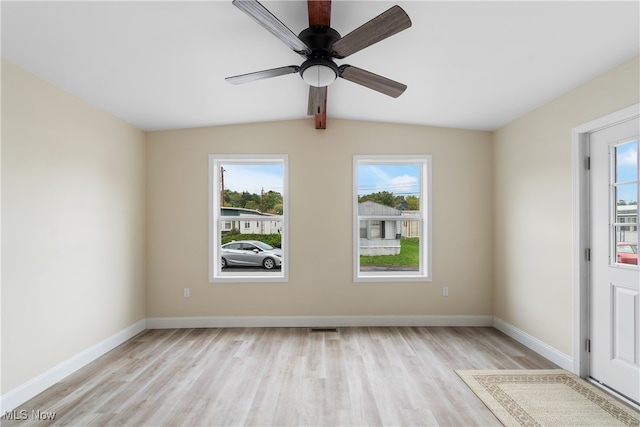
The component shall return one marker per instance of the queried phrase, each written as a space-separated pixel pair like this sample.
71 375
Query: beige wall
533 206
320 204
73 213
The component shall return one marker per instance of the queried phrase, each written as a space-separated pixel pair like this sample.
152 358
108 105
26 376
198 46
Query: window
248 218
392 218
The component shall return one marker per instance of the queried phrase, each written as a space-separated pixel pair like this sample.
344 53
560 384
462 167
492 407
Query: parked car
627 253
251 253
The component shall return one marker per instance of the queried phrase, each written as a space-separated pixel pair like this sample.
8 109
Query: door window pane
625 204
627 162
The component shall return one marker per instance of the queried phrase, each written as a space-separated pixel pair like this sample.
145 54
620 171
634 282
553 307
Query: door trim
581 238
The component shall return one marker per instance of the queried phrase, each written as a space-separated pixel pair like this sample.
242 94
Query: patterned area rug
547 398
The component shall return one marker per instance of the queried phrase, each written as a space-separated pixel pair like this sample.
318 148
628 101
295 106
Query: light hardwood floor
285 377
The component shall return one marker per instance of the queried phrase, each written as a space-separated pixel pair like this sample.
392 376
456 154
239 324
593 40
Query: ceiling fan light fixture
319 75
319 72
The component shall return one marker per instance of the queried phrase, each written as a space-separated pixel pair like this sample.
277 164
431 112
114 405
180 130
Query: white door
615 278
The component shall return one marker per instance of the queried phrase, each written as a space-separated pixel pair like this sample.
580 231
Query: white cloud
404 184
628 157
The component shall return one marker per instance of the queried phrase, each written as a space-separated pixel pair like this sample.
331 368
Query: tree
413 203
278 209
271 200
252 204
383 197
247 197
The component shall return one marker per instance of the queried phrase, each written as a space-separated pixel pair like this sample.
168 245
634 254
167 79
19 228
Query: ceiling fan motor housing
319 70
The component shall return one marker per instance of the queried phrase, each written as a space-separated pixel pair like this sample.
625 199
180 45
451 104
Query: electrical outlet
187 293
445 291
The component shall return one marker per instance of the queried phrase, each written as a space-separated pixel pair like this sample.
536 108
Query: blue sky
627 170
399 179
254 178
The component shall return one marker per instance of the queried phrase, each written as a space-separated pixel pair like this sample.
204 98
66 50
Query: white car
250 253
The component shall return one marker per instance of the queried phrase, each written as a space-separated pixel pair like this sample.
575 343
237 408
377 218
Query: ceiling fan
319 44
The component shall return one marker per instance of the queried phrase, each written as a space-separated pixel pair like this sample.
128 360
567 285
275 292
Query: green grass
409 255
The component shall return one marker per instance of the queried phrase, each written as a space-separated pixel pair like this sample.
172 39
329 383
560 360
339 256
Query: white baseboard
314 321
542 348
16 397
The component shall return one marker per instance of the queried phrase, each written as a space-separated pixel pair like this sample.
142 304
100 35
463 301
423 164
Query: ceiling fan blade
264 74
319 12
379 28
272 24
372 81
317 96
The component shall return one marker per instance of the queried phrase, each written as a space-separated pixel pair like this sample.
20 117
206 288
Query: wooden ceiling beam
320 14
321 119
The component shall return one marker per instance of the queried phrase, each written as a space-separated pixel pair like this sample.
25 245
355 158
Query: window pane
627 213
626 247
257 187
393 185
626 194
396 252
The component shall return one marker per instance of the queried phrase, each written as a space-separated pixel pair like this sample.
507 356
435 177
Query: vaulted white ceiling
471 65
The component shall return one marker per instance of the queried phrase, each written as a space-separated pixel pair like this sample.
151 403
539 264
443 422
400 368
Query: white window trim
215 219
425 272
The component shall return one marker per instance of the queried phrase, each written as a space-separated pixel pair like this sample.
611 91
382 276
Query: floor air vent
323 330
